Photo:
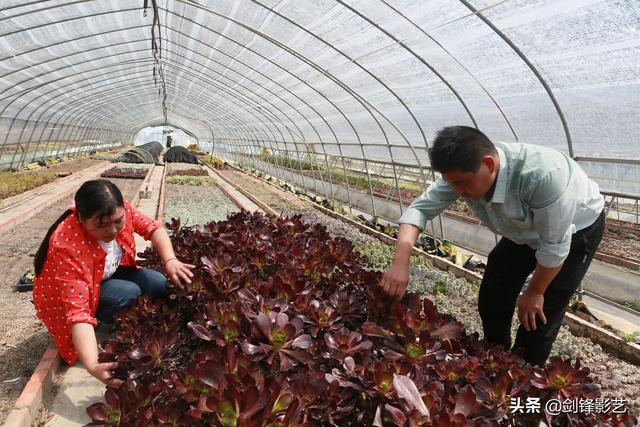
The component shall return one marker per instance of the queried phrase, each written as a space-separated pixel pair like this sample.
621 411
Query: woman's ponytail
41 254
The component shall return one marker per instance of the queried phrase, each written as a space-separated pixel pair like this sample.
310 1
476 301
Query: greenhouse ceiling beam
459 62
89 84
125 77
291 106
635 162
257 84
303 58
196 107
118 92
348 89
198 41
532 67
303 116
82 73
235 60
333 78
32 11
99 114
359 100
419 58
132 135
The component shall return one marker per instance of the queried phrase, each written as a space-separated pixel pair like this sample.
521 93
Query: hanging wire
156 50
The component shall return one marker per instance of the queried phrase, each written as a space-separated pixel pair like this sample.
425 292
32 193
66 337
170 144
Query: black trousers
508 266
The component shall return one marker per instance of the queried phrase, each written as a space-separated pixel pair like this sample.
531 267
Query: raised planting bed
214 161
622 239
125 172
195 181
178 166
111 156
283 325
13 183
188 172
196 204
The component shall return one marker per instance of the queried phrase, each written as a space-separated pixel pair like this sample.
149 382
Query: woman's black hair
98 196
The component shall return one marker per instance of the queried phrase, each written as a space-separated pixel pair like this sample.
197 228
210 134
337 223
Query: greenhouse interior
320 213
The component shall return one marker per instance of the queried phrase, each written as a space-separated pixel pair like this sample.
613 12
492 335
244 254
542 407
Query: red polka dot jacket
67 289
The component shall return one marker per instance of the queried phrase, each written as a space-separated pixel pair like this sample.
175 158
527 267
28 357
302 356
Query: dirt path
289 204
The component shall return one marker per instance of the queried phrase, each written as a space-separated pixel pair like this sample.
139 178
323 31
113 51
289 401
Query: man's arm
531 302
432 202
553 207
395 280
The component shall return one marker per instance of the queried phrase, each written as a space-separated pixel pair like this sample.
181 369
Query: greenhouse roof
363 78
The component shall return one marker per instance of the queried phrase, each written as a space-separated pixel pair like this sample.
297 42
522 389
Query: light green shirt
541 198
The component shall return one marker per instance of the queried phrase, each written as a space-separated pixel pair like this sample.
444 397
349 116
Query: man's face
473 185
105 229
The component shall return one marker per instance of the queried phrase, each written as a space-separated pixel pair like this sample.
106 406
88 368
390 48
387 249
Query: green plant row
215 161
198 181
356 179
13 183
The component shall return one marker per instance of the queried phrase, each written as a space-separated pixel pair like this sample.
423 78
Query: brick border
212 172
8 223
30 400
160 209
262 205
136 199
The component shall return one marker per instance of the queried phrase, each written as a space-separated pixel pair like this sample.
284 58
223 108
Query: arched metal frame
85 106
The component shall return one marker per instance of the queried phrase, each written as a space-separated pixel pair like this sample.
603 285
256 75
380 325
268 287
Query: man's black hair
460 148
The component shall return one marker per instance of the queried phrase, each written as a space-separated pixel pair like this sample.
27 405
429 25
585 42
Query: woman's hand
178 271
102 371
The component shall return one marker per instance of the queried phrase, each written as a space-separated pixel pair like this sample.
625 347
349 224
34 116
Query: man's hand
178 271
395 280
530 304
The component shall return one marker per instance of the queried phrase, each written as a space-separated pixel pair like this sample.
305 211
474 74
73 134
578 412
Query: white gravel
196 205
617 378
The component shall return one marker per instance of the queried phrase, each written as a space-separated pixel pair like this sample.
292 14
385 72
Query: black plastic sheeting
153 147
146 153
180 155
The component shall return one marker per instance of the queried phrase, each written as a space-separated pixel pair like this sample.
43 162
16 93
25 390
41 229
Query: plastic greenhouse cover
359 78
